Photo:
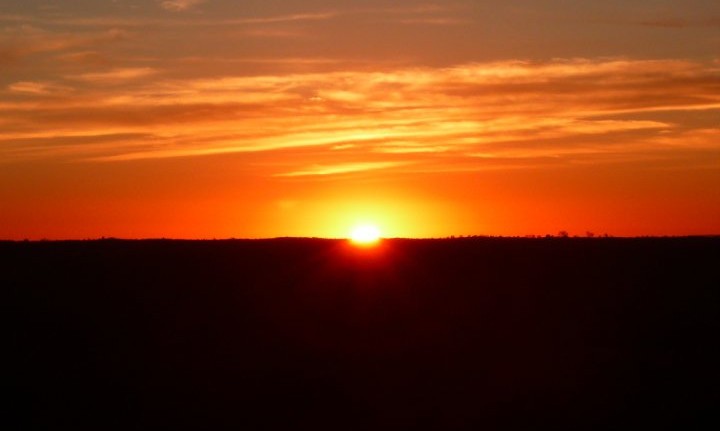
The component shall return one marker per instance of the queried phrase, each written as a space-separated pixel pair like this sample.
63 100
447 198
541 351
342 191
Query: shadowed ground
453 334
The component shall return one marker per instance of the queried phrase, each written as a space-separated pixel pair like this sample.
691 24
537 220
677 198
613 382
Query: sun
365 235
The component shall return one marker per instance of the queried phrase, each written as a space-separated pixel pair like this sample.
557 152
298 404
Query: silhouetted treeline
455 334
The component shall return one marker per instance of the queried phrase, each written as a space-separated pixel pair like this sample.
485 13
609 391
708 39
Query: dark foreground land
460 334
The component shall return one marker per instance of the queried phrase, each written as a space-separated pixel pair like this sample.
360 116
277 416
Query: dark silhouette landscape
452 334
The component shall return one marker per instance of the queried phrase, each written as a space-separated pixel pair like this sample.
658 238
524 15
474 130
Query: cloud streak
37 88
19 42
456 118
179 5
116 75
429 14
343 168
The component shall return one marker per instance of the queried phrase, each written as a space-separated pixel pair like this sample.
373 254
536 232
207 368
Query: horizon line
440 238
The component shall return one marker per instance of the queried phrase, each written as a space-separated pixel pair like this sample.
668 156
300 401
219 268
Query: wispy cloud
273 33
116 75
82 57
433 21
38 88
22 41
318 16
428 14
343 168
180 5
471 116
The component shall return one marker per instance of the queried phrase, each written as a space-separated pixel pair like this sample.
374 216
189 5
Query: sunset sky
264 118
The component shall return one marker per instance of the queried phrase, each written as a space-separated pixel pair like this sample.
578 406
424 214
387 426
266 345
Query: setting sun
365 235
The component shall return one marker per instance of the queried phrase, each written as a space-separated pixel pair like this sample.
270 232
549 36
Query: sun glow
365 235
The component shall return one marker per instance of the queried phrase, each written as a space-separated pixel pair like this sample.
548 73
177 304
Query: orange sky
215 119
